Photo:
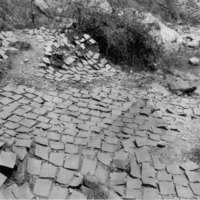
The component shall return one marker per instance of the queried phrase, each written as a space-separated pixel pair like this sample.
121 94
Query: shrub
4 66
17 14
123 39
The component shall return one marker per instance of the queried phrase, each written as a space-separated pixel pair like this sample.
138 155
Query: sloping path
130 139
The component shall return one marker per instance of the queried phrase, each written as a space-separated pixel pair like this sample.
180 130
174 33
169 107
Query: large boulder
164 35
167 37
103 5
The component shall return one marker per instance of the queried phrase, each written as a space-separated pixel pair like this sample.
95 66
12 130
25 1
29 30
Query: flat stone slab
58 192
2 179
72 162
23 192
135 169
7 159
167 188
65 176
142 155
77 195
117 178
151 194
193 176
48 171
195 188
184 192
189 166
88 167
180 180
173 169
34 166
42 187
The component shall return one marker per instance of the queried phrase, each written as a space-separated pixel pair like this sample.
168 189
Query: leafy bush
123 39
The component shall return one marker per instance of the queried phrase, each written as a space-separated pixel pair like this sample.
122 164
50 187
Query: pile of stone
75 58
6 39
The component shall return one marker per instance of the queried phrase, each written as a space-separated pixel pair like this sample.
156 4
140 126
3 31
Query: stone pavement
106 132
50 141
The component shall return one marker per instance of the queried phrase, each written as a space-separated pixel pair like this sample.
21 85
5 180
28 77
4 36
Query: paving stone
48 171
41 140
104 158
72 162
42 152
42 187
195 188
22 129
101 174
76 181
2 179
72 149
184 192
167 188
23 143
53 136
43 119
133 183
173 169
5 100
108 147
77 195
180 180
193 176
142 155
157 164
27 123
95 143
20 152
189 166
7 159
65 176
147 170
58 192
163 176
140 142
135 169
11 125
150 194
112 140
57 145
34 166
81 141
23 192
44 126
15 118
68 139
20 112
117 178
146 181
88 167
57 158
133 194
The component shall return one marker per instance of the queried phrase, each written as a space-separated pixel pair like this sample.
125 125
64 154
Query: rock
102 5
159 88
99 5
43 7
194 61
26 60
165 36
180 87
